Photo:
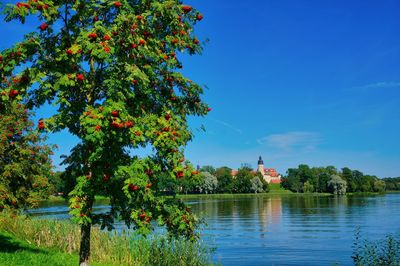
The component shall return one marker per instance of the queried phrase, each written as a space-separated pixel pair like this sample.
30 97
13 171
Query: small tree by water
308 187
210 183
337 185
379 186
256 185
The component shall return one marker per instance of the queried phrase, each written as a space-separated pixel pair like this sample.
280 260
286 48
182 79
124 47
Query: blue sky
296 81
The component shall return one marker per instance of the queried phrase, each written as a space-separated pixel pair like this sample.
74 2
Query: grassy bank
274 190
259 195
32 240
364 193
17 252
277 189
60 199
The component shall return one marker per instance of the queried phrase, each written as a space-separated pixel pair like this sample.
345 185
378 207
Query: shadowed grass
8 244
14 252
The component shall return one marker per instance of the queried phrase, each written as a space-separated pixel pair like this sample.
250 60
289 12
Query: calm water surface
284 230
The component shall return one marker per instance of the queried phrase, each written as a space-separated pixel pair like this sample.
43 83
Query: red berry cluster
143 216
43 26
106 177
42 7
129 124
133 187
180 174
186 9
41 125
92 35
13 93
120 125
115 124
115 113
19 4
80 77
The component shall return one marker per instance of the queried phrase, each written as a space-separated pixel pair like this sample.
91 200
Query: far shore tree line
207 180
303 179
210 180
306 179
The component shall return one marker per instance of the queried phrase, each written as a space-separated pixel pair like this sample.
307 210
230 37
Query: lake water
284 230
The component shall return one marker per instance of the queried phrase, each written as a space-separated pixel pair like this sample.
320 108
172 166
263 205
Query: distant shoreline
244 195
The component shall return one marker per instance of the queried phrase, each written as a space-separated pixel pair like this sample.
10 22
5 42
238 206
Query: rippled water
284 230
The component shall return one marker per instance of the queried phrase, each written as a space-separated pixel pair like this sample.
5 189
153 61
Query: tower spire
260 161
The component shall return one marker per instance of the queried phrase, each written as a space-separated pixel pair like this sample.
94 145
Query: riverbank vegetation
219 182
381 252
25 240
392 184
305 179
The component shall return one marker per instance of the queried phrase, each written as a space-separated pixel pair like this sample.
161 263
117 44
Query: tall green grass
382 252
107 248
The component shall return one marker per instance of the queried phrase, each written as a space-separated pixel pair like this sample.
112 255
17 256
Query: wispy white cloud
381 85
304 141
227 125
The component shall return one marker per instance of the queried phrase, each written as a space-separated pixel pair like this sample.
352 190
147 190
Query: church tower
260 166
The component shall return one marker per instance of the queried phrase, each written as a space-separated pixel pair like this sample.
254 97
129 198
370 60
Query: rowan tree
24 157
112 70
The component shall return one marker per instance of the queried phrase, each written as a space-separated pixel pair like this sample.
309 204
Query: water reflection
59 209
283 230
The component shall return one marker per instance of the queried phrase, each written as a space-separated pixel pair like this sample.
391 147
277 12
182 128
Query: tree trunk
84 251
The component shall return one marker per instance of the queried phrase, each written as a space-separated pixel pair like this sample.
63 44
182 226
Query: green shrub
383 252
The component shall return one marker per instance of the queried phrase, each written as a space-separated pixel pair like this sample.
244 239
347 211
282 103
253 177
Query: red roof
269 170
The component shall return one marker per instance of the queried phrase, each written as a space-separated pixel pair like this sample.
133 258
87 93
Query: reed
110 248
